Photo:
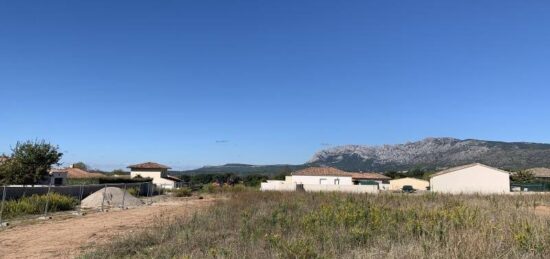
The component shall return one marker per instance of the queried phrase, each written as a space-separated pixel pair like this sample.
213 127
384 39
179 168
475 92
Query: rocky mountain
435 153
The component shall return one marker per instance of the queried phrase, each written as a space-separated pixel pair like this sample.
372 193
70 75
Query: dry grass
330 225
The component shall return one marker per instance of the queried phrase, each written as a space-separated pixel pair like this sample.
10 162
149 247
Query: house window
323 181
336 181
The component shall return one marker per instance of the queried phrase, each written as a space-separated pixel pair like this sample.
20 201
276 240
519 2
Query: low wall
341 188
16 192
282 186
278 186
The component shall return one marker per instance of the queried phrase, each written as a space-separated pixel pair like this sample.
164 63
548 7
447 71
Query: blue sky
189 83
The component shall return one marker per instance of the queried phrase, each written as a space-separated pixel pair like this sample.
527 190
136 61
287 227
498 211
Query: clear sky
189 83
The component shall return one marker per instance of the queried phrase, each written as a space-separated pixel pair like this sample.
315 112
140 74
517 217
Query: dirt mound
113 198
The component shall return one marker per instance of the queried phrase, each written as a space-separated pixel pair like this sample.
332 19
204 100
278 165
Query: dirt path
67 238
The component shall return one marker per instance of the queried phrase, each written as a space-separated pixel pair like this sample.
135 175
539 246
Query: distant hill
435 153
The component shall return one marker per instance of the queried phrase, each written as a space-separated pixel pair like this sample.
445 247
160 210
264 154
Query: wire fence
145 190
530 187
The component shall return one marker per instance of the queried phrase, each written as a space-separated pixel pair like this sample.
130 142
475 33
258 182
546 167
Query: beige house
157 172
469 179
417 184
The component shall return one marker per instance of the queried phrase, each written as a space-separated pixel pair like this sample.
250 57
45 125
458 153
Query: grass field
252 224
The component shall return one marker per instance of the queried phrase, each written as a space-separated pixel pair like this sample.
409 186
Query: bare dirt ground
67 237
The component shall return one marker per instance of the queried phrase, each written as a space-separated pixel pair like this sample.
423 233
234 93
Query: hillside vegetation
252 224
435 153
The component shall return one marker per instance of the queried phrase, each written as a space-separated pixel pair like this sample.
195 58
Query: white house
473 178
417 184
322 176
157 172
316 179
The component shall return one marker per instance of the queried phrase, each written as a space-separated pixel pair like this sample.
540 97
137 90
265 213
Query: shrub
36 204
182 192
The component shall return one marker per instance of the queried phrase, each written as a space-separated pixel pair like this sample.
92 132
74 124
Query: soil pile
113 198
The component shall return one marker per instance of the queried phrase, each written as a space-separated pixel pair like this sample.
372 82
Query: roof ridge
456 168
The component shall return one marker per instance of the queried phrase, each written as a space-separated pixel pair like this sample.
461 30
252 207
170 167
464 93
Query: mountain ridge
435 153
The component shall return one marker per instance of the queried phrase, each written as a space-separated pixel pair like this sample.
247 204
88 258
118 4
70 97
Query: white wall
277 186
285 186
417 184
147 173
341 188
475 179
325 180
156 175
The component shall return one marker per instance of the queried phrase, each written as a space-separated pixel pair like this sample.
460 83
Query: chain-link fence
530 187
145 190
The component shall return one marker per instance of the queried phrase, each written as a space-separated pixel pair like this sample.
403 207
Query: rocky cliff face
435 153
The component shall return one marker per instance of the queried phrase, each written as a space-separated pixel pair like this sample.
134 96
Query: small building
155 171
417 184
469 179
55 177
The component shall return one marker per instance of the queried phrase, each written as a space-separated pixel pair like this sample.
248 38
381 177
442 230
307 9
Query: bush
182 192
36 204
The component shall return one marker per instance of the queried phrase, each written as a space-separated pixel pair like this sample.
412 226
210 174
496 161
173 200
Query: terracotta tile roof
450 170
76 173
321 171
369 176
149 165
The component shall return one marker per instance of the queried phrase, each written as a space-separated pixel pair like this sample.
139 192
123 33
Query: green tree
522 177
30 162
80 165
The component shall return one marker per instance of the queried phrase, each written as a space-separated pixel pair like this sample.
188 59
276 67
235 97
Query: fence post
80 199
2 205
123 196
47 200
104 194
152 192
